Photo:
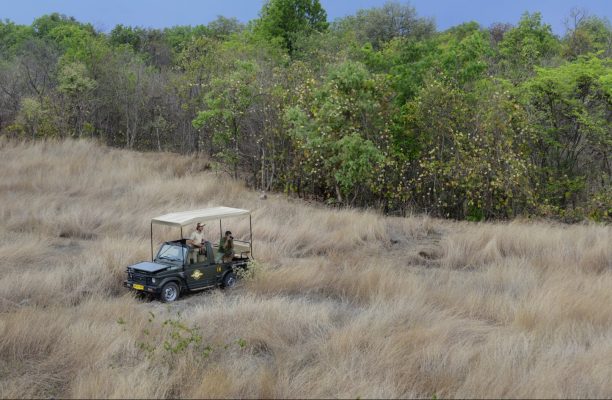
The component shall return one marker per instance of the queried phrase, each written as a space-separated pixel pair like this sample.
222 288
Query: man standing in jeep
196 241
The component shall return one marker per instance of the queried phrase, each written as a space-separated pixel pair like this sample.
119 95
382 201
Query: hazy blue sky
105 14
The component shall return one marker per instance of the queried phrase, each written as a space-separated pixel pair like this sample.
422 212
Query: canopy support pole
251 236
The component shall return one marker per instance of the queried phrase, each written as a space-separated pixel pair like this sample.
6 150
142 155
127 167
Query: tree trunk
338 193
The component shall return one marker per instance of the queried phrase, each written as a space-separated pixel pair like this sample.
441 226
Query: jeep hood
148 266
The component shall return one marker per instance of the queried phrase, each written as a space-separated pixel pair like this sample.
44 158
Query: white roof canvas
190 217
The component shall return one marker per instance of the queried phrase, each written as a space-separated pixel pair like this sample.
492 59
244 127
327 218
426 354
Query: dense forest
378 109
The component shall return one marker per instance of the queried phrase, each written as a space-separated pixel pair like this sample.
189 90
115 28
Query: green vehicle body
175 267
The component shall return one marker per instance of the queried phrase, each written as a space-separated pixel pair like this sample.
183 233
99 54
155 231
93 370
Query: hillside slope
344 303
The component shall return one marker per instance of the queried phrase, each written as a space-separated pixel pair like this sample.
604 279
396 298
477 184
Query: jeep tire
169 292
229 280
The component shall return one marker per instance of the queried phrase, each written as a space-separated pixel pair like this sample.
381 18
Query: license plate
137 286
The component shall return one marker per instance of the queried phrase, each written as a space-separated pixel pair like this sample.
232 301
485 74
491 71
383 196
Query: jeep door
198 275
203 273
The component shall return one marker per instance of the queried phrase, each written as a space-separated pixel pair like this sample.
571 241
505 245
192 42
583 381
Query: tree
126 35
35 119
497 31
37 62
587 34
198 62
78 89
464 53
222 27
240 108
379 25
79 44
228 103
526 46
44 25
11 91
473 159
342 135
12 37
287 20
570 110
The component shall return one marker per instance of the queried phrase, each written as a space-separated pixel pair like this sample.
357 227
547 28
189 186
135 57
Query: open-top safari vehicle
174 268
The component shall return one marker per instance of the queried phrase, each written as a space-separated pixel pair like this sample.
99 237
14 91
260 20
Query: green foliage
344 137
173 338
179 37
465 51
228 102
570 109
78 87
379 25
35 119
223 28
250 273
73 79
13 37
44 25
357 160
80 45
526 45
474 161
154 45
376 109
287 20
589 34
238 107
126 35
410 62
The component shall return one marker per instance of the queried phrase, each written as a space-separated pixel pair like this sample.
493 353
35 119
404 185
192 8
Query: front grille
136 277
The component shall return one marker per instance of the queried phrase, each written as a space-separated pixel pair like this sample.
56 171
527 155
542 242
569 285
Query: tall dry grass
344 303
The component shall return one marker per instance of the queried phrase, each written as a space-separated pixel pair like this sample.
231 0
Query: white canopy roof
191 217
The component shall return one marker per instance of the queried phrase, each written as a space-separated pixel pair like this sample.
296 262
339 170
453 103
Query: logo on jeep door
196 274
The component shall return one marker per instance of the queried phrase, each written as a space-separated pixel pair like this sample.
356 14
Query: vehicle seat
241 250
216 255
193 256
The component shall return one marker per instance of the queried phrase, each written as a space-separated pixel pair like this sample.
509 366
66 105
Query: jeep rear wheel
229 280
169 292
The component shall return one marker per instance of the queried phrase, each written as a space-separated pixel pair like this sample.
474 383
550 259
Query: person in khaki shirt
197 243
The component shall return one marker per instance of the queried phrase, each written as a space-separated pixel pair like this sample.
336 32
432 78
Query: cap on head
200 225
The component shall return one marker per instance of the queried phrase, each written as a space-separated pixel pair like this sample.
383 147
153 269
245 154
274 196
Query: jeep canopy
183 218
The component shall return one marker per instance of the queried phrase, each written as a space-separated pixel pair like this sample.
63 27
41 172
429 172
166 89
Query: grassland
344 303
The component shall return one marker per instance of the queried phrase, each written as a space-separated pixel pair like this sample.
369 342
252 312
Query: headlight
153 280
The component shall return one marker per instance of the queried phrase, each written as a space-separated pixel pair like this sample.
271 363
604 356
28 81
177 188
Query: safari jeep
172 270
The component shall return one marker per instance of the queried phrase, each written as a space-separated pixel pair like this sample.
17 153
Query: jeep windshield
171 252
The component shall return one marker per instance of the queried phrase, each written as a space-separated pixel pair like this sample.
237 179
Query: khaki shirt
197 237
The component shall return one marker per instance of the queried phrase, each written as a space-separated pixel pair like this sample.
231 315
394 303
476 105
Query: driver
197 242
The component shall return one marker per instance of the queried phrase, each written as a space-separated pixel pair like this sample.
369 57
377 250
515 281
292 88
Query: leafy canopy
287 20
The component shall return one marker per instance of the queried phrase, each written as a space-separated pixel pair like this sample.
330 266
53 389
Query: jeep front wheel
229 280
169 292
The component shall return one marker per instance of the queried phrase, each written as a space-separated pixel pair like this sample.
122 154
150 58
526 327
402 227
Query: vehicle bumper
145 288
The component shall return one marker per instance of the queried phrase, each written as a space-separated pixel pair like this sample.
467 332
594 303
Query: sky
105 14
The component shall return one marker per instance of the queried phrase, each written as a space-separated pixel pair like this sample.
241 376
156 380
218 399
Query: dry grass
345 303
